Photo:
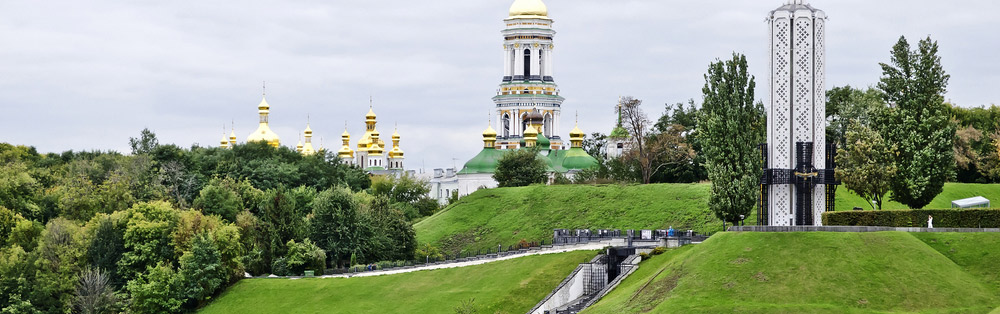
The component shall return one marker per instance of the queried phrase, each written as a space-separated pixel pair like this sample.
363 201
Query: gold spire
396 152
307 148
224 143
263 132
576 135
530 136
232 134
366 141
345 151
529 9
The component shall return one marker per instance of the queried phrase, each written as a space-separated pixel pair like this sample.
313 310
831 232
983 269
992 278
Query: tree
334 225
303 256
217 198
145 144
918 121
520 167
94 293
867 164
201 273
106 248
846 105
730 130
59 252
156 291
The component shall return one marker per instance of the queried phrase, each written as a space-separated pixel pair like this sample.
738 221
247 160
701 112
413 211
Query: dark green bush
943 218
658 250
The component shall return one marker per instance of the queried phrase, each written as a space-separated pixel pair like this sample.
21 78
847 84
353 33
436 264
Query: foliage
466 307
847 105
730 129
335 225
407 193
58 265
914 83
520 167
94 293
201 273
106 247
145 144
17 274
148 229
867 165
157 291
217 198
943 218
388 235
305 256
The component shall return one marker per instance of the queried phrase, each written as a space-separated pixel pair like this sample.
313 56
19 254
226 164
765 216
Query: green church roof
484 162
578 159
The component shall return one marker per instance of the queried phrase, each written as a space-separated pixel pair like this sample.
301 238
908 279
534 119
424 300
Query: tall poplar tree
917 120
730 129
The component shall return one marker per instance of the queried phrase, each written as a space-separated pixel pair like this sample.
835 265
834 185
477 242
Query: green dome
485 162
618 132
578 159
543 142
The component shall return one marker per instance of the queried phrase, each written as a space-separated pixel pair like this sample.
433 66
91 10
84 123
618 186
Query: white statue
930 221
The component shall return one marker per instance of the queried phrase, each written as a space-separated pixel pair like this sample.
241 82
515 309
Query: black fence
490 253
567 236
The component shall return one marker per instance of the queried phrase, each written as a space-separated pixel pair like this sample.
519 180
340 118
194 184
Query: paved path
593 246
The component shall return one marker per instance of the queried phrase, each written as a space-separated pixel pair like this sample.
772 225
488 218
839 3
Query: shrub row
943 218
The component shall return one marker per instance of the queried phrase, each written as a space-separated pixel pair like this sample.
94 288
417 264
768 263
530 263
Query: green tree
305 256
145 144
846 105
156 291
217 198
520 167
17 275
147 237
914 83
334 225
201 272
106 248
730 130
282 219
867 164
59 259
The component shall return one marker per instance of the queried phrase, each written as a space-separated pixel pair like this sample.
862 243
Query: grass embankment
504 216
511 286
815 272
846 200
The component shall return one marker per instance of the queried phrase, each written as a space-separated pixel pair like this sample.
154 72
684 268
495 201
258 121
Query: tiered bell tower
798 183
528 82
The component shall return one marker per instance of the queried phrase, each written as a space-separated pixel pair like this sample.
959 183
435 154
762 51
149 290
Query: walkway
592 246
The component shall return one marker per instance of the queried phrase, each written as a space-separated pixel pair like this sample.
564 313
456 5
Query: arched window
527 63
506 125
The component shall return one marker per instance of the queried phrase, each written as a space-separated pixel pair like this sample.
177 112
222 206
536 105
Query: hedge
943 218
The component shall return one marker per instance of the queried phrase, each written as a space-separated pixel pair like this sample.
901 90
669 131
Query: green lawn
977 253
812 273
504 216
846 200
512 286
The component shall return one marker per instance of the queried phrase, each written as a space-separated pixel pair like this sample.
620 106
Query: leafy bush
658 250
943 218
279 267
305 256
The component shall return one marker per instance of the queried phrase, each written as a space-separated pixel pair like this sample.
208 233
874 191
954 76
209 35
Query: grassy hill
511 286
504 216
816 273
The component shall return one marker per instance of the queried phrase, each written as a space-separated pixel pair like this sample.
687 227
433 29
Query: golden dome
489 132
263 105
529 8
370 115
308 131
395 135
576 132
530 132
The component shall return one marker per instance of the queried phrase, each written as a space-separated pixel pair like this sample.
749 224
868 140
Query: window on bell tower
527 63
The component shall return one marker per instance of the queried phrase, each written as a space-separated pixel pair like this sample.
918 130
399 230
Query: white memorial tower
798 176
527 84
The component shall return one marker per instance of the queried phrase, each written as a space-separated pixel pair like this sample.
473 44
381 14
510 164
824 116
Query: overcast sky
87 75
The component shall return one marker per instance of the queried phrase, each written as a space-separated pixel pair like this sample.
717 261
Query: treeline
164 229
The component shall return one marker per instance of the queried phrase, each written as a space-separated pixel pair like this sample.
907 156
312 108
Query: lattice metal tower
795 157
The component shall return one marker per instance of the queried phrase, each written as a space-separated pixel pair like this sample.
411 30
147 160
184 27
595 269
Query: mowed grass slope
511 286
805 273
977 253
506 215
